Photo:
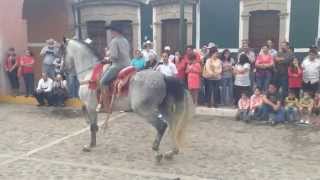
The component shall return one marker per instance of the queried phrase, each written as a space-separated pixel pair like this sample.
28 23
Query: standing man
119 55
49 54
272 51
282 61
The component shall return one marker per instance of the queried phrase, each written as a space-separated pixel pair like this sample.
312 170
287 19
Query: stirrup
99 106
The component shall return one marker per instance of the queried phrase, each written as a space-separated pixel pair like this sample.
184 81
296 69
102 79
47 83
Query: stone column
283 27
135 35
245 25
157 35
189 33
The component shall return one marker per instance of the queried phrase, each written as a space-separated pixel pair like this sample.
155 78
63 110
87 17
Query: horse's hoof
86 149
168 156
159 157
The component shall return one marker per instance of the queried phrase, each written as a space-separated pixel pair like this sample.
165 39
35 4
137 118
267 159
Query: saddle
120 86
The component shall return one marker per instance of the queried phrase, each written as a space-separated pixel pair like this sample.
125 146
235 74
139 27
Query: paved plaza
45 143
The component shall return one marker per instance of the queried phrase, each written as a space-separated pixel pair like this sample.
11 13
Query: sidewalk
76 103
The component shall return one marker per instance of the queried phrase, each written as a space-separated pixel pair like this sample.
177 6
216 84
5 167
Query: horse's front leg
160 125
92 118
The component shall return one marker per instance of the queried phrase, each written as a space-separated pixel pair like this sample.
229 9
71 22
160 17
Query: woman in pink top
264 64
193 72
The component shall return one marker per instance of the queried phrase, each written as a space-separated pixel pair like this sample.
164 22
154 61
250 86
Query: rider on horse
119 55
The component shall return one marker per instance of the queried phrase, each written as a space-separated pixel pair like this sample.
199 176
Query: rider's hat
114 27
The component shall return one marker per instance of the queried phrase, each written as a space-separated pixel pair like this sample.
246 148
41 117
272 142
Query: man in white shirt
311 72
44 90
167 68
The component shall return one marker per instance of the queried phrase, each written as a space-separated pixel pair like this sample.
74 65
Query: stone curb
220 112
75 103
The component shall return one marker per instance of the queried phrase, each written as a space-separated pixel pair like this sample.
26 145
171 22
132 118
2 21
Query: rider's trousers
110 74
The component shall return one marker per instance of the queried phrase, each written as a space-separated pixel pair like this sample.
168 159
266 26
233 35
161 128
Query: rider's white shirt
168 69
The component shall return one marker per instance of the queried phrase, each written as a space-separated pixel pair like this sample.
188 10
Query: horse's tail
179 109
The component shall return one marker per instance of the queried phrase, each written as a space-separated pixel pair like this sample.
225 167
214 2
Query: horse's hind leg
160 124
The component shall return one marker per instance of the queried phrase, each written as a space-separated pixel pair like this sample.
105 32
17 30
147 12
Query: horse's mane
91 49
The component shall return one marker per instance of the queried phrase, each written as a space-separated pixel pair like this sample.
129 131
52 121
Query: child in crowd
291 107
295 77
255 104
193 72
243 107
305 106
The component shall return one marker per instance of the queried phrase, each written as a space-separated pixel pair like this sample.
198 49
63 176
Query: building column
189 33
284 29
157 35
135 36
245 28
319 22
198 34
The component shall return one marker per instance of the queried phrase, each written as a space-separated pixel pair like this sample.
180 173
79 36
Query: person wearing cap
148 51
167 49
49 54
119 55
311 72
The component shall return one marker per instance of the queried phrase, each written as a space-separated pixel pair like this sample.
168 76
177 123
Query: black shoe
40 105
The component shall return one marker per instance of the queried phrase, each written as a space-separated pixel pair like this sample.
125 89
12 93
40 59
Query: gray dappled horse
160 100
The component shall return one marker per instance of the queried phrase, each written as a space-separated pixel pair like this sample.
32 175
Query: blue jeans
283 85
256 114
73 86
49 69
212 91
263 82
227 91
267 113
110 74
243 115
292 114
29 83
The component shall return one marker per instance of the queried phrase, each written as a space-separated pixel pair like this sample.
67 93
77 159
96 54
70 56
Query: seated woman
60 91
138 62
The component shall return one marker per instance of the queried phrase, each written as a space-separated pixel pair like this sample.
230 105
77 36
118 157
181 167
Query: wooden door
264 25
97 33
170 34
126 28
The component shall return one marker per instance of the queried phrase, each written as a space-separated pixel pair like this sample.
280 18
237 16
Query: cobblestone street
45 143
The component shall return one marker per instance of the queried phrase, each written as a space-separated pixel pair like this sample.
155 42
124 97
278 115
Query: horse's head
63 51
77 56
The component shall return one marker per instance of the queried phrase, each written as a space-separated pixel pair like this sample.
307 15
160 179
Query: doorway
263 26
170 34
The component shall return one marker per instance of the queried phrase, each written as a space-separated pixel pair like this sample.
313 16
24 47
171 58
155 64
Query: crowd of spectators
268 85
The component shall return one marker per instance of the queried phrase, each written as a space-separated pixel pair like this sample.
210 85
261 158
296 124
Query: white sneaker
99 106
